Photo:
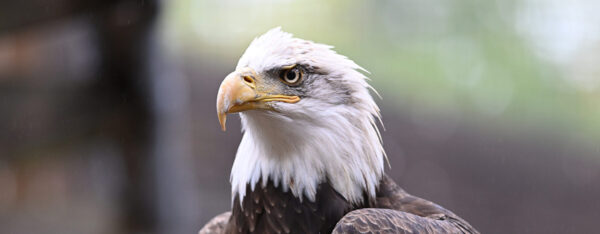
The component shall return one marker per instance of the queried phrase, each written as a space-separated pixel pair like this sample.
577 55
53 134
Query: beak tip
222 120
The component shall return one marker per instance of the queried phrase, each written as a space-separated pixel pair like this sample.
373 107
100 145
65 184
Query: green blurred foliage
463 56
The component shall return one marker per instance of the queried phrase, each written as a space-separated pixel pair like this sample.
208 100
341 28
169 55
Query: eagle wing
396 211
216 225
375 220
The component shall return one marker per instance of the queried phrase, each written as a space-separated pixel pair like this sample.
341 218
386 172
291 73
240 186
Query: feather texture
317 139
270 210
317 165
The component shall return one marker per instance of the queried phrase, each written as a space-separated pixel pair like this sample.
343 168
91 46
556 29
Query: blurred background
108 124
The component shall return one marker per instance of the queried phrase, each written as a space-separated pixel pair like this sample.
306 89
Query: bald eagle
311 158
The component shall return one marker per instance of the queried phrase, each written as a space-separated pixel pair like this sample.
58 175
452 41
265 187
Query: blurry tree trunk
123 30
155 135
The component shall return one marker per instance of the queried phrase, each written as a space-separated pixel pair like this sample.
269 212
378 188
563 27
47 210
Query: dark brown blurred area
74 85
104 132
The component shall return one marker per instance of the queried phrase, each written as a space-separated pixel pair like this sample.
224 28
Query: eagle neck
297 154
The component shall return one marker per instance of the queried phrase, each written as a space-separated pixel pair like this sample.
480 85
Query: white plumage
301 145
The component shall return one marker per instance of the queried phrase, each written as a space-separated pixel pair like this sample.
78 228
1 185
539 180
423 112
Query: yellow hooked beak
240 92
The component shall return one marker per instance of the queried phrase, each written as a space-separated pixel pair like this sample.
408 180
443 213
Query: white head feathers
329 136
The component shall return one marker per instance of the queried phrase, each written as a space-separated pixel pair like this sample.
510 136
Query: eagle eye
291 75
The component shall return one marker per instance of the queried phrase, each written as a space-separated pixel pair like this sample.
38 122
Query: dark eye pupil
291 75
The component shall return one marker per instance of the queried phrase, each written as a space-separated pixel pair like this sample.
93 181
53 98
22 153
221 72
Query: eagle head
307 116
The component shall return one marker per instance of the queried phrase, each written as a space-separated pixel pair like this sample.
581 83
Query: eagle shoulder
396 211
216 225
375 220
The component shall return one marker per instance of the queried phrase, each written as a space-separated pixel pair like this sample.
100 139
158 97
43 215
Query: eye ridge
291 75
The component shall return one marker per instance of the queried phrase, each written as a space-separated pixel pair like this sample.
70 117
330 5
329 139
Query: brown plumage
270 210
216 224
396 211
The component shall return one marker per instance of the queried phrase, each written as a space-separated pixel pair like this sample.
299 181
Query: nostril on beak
248 80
